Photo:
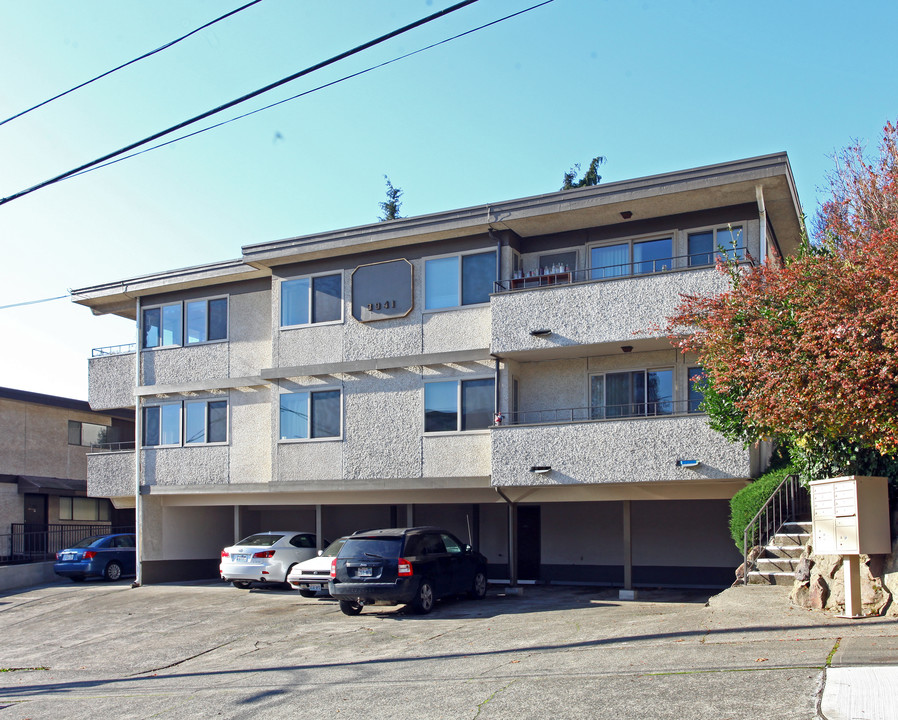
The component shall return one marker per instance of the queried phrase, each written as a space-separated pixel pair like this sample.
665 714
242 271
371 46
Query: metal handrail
112 446
38 542
547 277
114 350
651 408
785 504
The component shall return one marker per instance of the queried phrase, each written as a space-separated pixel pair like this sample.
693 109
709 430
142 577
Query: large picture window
459 280
454 405
631 394
204 422
310 414
187 323
310 300
85 509
706 246
87 434
639 257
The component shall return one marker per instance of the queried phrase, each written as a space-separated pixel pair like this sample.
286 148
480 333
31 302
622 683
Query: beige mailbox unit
851 516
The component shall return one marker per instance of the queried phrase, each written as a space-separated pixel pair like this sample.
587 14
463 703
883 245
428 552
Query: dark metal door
529 558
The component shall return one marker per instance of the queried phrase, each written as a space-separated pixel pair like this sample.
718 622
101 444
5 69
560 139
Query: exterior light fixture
542 332
541 469
688 463
626 214
626 348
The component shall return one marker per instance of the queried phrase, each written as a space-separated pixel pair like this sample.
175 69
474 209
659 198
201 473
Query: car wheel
287 585
305 592
424 598
113 571
478 587
241 584
348 607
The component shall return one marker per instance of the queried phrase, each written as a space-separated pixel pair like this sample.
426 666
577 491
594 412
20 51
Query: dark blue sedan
105 556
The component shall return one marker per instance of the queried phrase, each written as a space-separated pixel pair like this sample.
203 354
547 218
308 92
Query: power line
315 89
131 62
34 302
242 99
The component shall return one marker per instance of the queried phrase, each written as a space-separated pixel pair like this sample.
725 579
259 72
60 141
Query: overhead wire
315 89
241 99
130 62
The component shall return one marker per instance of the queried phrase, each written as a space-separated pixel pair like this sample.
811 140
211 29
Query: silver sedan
266 557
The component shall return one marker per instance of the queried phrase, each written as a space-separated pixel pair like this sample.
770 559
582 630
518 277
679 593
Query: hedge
746 503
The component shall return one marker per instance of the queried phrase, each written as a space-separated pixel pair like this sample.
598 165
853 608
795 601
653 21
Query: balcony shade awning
51 486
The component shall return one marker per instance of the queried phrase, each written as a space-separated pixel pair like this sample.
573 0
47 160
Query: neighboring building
44 442
349 380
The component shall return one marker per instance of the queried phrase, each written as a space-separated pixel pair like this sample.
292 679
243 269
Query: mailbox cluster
850 516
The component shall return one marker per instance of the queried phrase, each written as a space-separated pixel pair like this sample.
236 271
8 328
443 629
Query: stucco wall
632 450
619 310
194 363
200 465
110 474
111 381
12 509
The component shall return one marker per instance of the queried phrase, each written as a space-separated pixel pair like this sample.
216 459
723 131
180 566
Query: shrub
746 503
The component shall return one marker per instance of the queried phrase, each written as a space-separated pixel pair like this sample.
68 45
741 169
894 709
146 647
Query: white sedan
266 557
310 576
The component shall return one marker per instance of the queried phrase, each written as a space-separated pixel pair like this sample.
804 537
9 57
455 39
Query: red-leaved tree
806 351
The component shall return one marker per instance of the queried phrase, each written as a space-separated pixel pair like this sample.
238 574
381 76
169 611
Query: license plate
364 572
240 558
314 586
68 556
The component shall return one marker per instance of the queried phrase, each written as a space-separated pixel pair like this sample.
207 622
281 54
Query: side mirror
468 548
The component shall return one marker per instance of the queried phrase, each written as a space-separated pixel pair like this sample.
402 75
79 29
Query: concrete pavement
208 650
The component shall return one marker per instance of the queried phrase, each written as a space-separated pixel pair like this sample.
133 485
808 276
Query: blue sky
502 113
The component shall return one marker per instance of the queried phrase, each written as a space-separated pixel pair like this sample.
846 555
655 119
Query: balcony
111 377
633 444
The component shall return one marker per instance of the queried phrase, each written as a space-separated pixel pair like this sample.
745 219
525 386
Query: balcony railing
652 408
114 350
551 276
112 446
33 542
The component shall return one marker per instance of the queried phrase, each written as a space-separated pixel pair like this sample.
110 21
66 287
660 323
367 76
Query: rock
741 570
818 593
800 595
803 571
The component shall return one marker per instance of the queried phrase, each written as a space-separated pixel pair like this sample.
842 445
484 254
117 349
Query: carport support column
410 515
628 593
513 544
318 541
237 534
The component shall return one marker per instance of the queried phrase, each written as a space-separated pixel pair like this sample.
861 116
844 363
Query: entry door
35 524
528 542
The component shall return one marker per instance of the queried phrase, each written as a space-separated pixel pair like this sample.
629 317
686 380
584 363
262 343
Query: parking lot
209 650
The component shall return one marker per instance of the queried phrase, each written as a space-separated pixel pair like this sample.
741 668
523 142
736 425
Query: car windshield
89 541
260 540
334 548
372 547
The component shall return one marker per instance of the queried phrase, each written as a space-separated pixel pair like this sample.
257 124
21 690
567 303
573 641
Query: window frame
182 423
206 402
106 429
458 404
311 391
460 279
631 264
690 409
98 503
714 252
207 300
311 294
644 403
182 341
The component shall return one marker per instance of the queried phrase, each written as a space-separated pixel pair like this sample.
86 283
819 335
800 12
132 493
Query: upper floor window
203 421
206 321
459 280
631 394
451 405
695 378
310 300
638 257
87 434
705 246
310 414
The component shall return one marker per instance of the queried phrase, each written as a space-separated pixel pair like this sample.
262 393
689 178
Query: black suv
412 566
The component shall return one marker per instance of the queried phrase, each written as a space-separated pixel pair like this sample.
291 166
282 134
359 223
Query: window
631 394
309 415
631 258
162 425
459 280
87 434
310 300
459 405
706 246
81 508
206 321
206 421
562 260
695 378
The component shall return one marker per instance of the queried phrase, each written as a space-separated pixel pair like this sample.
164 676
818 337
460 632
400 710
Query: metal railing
652 408
114 350
790 501
30 542
548 277
112 446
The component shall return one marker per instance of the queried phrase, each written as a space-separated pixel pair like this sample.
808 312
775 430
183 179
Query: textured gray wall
111 381
110 474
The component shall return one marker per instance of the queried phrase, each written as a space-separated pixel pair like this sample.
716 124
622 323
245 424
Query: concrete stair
777 562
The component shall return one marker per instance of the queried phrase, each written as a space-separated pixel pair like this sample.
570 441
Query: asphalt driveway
99 650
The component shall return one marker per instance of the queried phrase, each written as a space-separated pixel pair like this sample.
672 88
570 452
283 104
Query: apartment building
495 370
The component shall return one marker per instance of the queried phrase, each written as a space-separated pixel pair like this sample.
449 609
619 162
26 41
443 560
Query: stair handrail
783 505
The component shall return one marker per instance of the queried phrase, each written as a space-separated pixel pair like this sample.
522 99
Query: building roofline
67 403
